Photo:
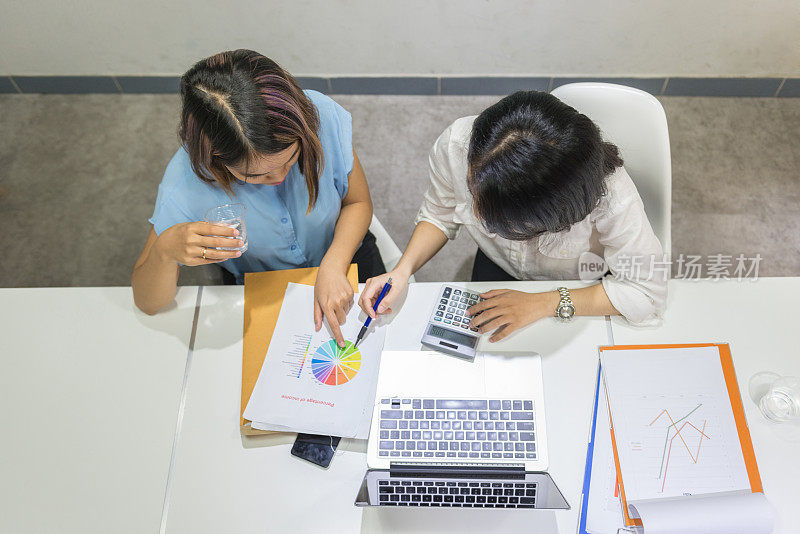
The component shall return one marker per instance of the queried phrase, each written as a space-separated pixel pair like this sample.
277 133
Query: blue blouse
280 234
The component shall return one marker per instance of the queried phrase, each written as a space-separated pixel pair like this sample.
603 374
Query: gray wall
402 37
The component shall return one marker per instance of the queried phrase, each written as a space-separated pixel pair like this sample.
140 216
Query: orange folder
738 415
263 296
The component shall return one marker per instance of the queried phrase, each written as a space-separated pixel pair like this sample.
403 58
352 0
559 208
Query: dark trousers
485 270
367 257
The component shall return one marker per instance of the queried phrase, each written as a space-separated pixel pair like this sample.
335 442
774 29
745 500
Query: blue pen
386 287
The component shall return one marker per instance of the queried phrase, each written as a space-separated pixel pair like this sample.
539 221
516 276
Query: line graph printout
675 447
307 382
673 423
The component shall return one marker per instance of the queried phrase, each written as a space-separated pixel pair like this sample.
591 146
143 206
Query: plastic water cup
232 216
778 397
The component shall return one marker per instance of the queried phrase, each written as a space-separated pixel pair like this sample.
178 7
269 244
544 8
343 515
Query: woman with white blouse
535 185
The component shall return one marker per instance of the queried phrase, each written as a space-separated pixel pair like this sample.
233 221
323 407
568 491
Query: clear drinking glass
231 215
778 397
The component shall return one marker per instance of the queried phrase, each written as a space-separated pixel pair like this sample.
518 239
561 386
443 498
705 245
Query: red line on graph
702 433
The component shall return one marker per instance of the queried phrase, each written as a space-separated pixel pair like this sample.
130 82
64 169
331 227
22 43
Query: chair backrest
634 121
390 252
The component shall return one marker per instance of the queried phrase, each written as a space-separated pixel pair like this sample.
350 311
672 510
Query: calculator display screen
449 335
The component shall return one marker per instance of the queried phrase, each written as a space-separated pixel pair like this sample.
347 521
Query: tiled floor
78 178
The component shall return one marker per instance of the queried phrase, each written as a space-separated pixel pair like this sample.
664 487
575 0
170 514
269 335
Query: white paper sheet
748 513
673 422
307 384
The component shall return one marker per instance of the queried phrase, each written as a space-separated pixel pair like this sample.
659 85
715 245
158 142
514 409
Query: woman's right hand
184 243
373 288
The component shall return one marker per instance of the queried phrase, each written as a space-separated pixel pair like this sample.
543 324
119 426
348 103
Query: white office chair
634 121
390 252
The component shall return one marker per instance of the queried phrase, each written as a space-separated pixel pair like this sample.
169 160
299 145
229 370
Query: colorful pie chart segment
333 365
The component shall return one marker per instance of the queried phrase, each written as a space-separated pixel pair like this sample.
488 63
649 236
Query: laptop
451 433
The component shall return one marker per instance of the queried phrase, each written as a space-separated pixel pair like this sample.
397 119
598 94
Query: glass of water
231 215
778 397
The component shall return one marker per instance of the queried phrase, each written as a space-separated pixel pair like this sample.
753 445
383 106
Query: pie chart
333 365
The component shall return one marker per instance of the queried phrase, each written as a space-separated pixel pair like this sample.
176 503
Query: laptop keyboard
457 429
459 494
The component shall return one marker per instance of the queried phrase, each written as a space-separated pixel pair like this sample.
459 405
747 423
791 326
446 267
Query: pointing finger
333 323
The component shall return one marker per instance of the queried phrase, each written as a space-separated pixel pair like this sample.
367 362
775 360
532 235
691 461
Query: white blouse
617 230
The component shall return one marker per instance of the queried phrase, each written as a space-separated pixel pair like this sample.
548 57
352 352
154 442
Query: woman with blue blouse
250 135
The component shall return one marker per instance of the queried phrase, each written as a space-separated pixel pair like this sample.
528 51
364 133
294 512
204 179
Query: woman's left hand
506 311
333 298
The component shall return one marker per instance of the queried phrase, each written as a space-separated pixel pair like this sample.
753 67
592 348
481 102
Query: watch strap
565 302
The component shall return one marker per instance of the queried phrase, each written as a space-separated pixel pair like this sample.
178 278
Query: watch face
566 311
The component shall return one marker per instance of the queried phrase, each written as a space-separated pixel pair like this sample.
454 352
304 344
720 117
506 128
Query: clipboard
263 296
742 430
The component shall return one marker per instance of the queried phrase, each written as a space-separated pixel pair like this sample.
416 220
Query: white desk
66 465
90 390
759 322
223 482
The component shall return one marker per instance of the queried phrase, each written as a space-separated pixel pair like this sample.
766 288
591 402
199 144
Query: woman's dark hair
536 165
239 104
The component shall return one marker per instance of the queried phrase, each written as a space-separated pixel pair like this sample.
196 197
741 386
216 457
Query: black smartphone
315 448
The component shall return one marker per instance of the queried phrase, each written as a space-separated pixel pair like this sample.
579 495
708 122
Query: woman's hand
505 310
184 243
373 288
333 298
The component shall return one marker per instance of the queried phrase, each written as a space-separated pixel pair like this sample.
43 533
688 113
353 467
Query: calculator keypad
452 307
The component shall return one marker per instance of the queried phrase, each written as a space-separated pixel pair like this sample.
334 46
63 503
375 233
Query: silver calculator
448 329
